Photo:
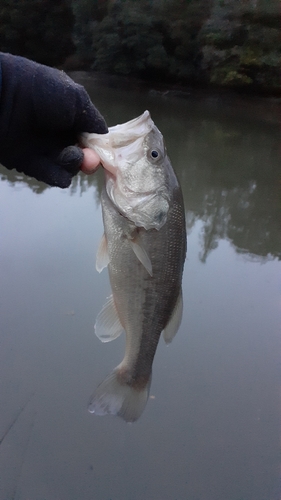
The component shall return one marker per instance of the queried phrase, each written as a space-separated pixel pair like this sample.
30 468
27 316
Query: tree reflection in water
230 176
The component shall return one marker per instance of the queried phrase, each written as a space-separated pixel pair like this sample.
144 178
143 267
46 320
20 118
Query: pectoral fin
108 326
102 259
141 254
174 323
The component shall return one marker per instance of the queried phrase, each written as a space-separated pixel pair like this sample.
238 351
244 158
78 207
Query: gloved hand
42 114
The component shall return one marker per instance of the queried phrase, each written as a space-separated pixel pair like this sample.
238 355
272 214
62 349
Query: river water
211 428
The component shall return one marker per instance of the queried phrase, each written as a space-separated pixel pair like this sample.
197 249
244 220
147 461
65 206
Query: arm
42 114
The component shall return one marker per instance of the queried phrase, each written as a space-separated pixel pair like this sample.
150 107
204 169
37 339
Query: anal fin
108 326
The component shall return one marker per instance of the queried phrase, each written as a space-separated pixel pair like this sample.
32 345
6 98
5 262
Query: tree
128 40
241 44
38 29
87 13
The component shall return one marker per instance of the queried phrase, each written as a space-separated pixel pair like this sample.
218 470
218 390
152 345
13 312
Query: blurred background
228 43
209 73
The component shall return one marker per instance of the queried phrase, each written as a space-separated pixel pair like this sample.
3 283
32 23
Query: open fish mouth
131 130
122 134
123 141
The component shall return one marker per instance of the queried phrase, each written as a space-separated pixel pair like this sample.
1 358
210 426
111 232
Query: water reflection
213 430
230 176
14 178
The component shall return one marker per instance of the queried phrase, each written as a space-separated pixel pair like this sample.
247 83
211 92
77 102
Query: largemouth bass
144 246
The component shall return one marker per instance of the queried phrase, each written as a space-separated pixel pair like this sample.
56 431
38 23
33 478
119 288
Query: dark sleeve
0 81
42 114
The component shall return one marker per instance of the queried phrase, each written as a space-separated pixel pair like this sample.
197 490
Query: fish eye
154 154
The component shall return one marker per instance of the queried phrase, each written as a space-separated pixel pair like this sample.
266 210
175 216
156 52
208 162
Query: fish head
137 167
139 188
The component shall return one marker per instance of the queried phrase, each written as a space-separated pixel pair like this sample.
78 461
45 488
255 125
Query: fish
144 248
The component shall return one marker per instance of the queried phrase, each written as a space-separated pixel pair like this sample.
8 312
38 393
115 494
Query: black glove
42 113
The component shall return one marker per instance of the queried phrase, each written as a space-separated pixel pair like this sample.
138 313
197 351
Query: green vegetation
241 44
230 43
38 29
149 39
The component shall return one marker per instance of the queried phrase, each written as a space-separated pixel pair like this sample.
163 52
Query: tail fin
114 398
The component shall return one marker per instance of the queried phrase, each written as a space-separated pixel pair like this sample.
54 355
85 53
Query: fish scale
145 249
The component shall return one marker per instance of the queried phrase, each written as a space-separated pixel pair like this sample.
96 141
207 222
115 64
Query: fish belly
144 303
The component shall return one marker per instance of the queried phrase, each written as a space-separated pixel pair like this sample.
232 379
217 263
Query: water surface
211 429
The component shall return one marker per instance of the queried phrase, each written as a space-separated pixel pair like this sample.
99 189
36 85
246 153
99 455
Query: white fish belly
144 303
